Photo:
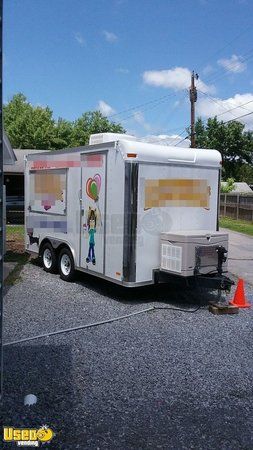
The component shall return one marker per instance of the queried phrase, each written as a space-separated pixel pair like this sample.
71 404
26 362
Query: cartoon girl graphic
91 228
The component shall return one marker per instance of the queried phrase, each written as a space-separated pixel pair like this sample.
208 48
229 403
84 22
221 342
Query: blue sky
79 55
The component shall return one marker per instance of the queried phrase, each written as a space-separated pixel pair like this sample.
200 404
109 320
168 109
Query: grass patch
15 252
20 259
11 256
15 232
15 238
242 226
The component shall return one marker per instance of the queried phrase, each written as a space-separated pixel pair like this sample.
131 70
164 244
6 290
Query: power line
239 117
168 138
228 43
218 102
243 58
227 121
239 106
227 110
168 114
142 110
187 137
220 72
141 105
160 100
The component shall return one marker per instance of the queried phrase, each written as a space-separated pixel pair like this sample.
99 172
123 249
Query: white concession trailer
131 212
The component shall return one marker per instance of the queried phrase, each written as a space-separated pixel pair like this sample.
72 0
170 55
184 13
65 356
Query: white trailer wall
153 221
66 226
115 215
42 222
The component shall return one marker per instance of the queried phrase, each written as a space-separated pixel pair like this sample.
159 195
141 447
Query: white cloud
208 70
139 118
122 70
217 107
80 39
234 64
105 109
110 37
166 139
178 78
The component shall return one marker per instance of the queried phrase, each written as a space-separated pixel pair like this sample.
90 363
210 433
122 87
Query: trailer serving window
48 191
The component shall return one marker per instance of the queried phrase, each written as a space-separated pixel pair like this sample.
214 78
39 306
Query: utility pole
1 200
193 99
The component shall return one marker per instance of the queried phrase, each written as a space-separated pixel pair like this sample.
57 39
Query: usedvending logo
28 437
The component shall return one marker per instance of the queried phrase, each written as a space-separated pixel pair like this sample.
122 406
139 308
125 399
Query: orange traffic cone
239 299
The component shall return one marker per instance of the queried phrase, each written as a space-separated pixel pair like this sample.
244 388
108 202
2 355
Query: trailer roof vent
101 138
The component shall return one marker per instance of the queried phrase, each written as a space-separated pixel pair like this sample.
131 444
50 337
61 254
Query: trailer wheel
66 265
49 259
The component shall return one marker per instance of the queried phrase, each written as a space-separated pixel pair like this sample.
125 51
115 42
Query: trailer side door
93 203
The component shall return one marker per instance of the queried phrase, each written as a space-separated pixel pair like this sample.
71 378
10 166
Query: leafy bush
229 186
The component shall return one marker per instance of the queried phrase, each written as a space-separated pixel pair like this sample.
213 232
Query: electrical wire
168 115
228 43
144 109
220 73
218 102
229 110
186 137
236 107
158 101
239 117
95 324
140 106
191 311
158 140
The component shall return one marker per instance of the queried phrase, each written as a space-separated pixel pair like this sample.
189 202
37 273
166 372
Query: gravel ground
160 380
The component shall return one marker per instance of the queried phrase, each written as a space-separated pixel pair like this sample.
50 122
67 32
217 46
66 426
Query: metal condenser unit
189 253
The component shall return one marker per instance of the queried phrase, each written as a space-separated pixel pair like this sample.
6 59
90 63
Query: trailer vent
171 258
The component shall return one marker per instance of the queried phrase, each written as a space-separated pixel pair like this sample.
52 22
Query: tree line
34 127
233 142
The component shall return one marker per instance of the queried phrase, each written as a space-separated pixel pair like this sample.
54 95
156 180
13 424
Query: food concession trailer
131 212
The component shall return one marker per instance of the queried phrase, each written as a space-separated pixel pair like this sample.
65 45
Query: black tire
67 267
49 258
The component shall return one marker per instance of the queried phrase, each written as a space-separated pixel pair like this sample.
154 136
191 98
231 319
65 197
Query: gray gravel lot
161 380
240 253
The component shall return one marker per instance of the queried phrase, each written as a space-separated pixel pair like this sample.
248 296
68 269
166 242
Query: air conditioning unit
101 138
187 253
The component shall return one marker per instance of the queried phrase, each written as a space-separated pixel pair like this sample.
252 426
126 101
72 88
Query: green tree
28 126
235 145
229 186
34 127
62 134
246 173
201 134
92 122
